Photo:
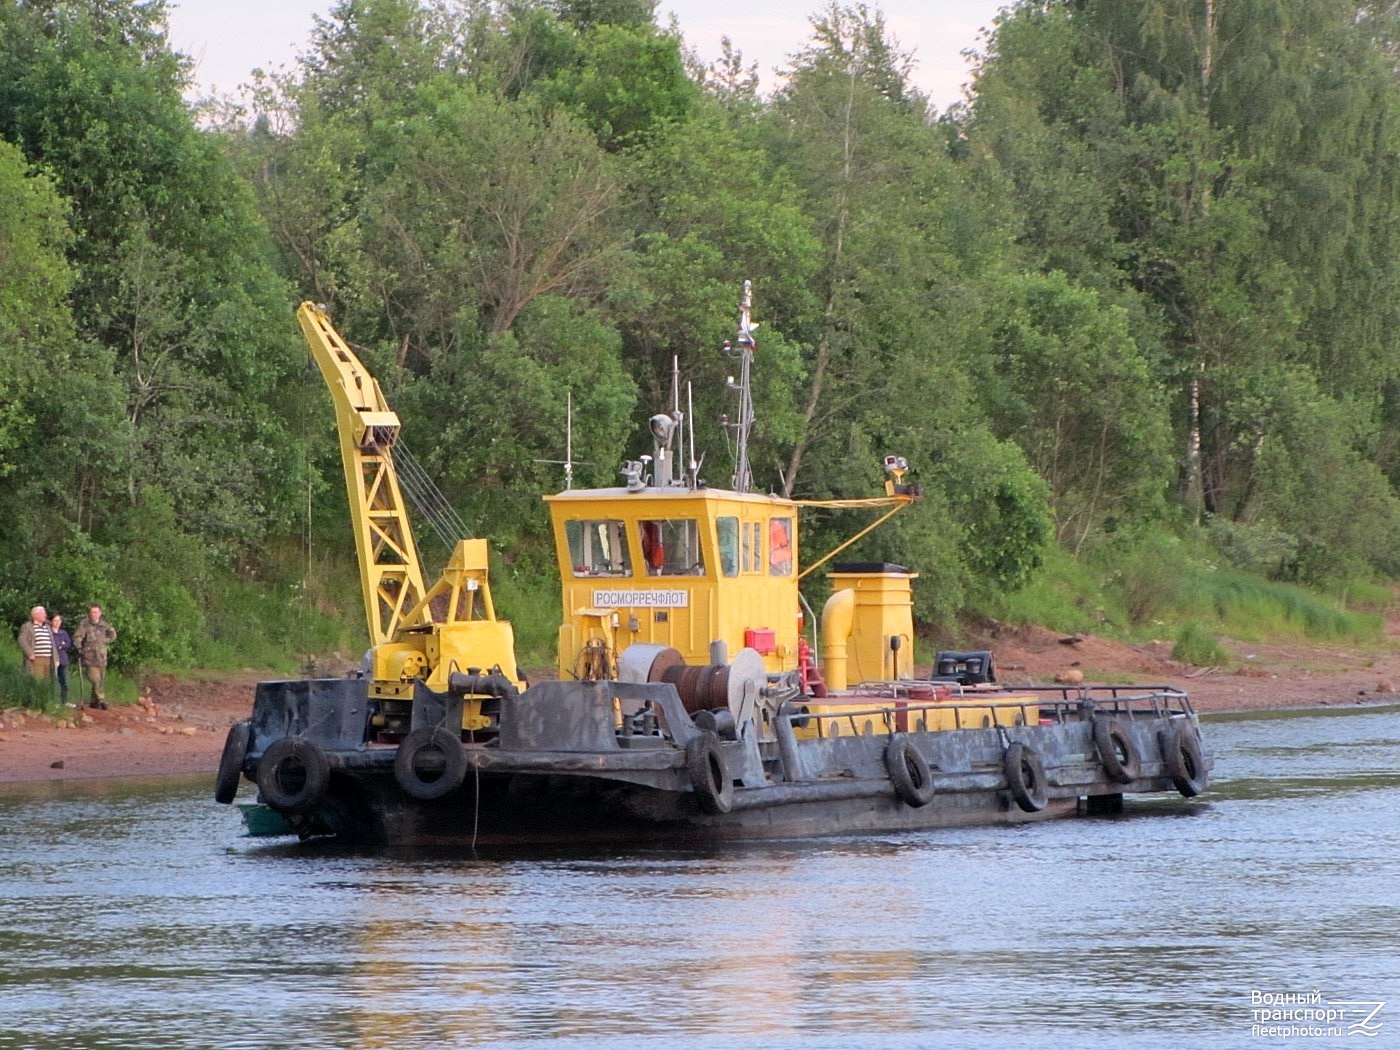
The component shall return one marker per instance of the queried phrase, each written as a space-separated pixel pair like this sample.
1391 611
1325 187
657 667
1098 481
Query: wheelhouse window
671 547
753 546
728 530
740 545
598 547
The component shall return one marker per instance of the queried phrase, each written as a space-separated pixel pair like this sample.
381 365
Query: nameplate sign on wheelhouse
649 599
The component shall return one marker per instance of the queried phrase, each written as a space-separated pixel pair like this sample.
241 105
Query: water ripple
136 918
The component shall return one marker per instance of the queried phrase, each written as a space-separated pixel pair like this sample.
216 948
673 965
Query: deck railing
907 703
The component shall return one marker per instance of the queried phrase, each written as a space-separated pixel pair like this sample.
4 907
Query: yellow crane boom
391 577
444 638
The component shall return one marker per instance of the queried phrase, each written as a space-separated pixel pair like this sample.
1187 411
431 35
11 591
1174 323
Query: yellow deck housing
868 627
675 567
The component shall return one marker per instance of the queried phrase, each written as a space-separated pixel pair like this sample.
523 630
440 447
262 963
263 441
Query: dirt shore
179 725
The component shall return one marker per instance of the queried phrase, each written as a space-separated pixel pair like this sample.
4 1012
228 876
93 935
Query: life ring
709 774
1117 752
428 783
293 775
231 761
1181 752
909 772
1025 776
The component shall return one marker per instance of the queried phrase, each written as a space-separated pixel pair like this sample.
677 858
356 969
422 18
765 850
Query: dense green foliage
151 350
1130 312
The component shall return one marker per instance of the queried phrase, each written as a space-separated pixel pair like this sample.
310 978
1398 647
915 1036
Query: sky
228 39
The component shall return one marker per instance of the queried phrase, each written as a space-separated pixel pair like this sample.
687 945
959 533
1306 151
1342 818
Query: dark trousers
63 682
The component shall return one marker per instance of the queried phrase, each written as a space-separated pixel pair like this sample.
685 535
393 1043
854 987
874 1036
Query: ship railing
899 705
1118 701
901 715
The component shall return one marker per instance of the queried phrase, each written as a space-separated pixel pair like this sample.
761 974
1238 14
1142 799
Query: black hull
528 787
545 811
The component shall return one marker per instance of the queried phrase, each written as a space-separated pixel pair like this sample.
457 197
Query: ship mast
743 347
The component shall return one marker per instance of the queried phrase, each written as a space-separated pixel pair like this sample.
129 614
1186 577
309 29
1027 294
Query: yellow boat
697 696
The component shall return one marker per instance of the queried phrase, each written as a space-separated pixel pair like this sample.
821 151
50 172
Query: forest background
1129 311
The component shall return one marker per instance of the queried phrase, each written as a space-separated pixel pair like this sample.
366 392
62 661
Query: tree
370 58
183 337
499 415
585 15
628 83
35 324
1071 387
907 257
711 213
492 206
1229 174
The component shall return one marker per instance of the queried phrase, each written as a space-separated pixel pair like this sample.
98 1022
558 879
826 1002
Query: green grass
1155 584
312 614
1065 596
280 629
1258 610
1198 647
1364 596
19 689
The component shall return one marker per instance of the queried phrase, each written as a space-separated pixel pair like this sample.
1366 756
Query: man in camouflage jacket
91 639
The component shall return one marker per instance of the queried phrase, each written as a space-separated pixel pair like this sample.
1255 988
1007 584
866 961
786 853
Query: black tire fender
231 761
293 775
709 773
409 773
909 772
1185 764
1025 776
1117 752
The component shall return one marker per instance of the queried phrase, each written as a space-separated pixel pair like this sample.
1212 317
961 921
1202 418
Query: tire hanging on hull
430 779
1117 753
293 775
1025 776
709 774
231 761
1181 753
909 772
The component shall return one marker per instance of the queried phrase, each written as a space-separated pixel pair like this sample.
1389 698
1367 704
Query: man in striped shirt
36 643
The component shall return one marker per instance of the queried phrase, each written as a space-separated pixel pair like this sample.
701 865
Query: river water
134 914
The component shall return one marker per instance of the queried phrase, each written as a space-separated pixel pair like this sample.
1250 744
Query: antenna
668 434
743 345
690 423
568 460
676 414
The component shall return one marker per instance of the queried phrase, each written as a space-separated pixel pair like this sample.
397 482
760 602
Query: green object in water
264 821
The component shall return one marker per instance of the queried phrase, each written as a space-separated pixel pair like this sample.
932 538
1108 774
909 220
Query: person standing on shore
61 644
36 643
91 640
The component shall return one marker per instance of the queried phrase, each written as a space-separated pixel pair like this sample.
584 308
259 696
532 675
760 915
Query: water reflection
136 918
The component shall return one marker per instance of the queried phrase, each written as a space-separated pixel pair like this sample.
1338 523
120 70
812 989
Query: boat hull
559 772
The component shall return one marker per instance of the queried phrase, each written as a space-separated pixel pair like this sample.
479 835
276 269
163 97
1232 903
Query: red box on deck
761 639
